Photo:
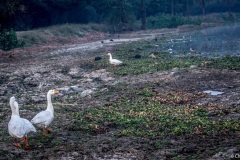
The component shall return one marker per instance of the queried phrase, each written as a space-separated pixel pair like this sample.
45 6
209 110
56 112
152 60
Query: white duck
44 118
19 127
152 56
115 62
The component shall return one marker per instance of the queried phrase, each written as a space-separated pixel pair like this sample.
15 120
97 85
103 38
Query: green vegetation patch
9 40
145 64
226 63
146 116
59 33
163 61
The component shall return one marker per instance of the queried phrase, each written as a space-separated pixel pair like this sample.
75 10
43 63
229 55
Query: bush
8 40
90 14
169 21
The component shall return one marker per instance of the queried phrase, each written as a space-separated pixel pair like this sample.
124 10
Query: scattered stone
119 156
229 154
172 73
102 74
213 93
70 89
3 91
193 66
37 99
74 72
67 158
166 153
152 56
76 88
89 80
104 90
75 154
87 92
64 89
175 69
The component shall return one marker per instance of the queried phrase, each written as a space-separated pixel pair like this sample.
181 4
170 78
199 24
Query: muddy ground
82 85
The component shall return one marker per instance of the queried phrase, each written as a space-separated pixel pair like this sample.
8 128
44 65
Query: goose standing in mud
44 118
115 62
19 127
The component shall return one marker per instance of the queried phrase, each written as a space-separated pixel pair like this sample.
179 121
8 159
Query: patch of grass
65 30
59 33
161 144
164 61
226 63
133 66
147 117
31 37
9 40
146 65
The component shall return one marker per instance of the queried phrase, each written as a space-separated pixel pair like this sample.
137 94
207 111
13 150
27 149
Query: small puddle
213 93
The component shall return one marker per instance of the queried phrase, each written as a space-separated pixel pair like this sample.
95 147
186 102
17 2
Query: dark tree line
24 15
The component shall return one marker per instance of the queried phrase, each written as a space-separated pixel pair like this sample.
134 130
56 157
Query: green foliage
120 16
90 14
227 62
170 21
147 116
59 33
132 66
8 40
149 65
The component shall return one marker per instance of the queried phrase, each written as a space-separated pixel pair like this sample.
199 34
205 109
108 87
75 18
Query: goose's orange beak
55 91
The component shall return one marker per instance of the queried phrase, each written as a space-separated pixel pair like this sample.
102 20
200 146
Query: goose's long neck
15 111
49 103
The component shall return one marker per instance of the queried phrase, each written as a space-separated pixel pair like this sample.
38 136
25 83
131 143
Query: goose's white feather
114 61
44 118
18 127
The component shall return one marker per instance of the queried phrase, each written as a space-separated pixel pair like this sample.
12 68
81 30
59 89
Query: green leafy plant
227 62
147 116
9 40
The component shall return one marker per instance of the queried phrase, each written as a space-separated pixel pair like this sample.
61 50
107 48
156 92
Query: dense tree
119 14
203 4
143 12
8 9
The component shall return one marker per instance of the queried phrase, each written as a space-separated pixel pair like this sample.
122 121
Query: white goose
44 118
19 127
115 62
